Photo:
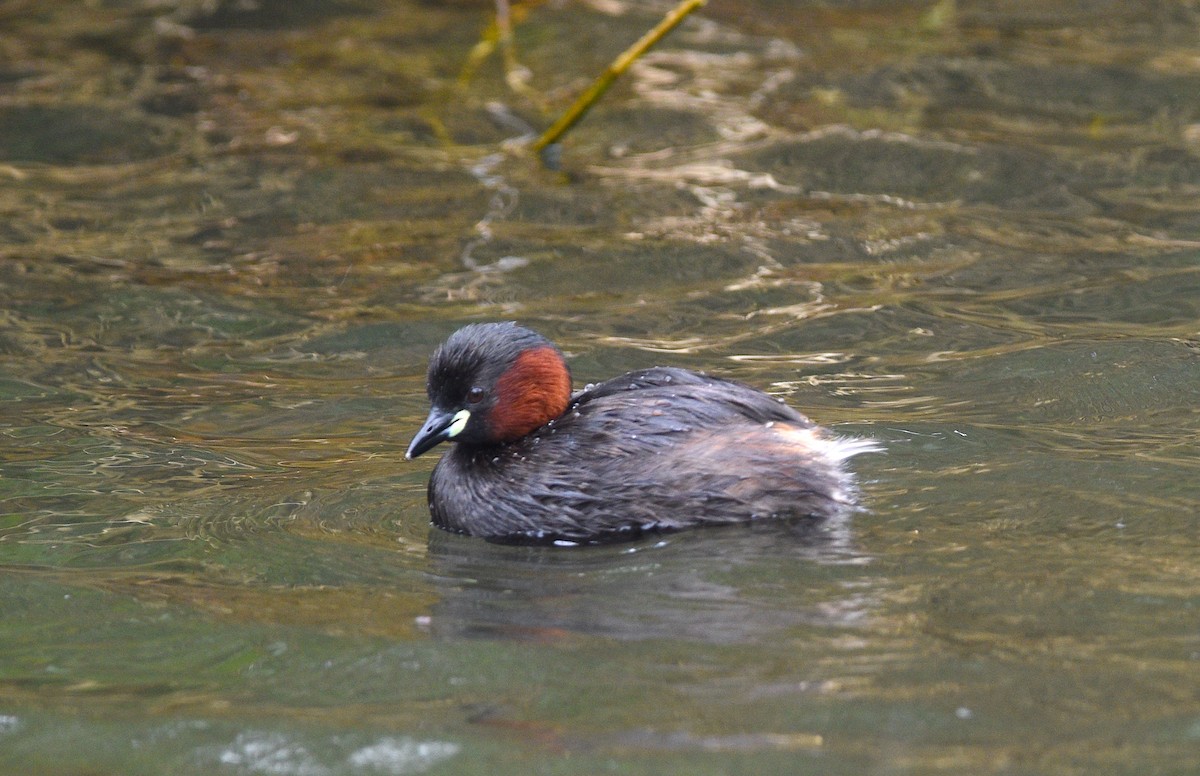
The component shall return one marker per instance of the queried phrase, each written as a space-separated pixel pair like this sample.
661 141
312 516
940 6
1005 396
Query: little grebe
654 450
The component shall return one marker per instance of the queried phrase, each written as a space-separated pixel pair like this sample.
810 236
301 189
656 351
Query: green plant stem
619 65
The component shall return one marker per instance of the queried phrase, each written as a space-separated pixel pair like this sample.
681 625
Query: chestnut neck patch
529 394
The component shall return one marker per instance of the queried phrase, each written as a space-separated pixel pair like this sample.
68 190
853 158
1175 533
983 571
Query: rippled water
232 233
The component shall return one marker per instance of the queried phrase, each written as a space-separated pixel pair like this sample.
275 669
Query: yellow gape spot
459 423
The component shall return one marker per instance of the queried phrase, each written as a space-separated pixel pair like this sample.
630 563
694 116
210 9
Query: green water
232 233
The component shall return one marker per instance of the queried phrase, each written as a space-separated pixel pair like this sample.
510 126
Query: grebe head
491 383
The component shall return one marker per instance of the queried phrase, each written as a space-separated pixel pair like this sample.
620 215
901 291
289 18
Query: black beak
435 431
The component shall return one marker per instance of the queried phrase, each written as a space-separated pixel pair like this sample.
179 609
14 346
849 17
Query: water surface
232 234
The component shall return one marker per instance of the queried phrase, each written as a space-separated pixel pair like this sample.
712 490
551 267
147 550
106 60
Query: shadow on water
742 584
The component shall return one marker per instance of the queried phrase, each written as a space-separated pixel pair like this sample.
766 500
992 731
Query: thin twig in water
499 34
619 65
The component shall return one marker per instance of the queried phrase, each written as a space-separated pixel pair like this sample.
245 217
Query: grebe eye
475 395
